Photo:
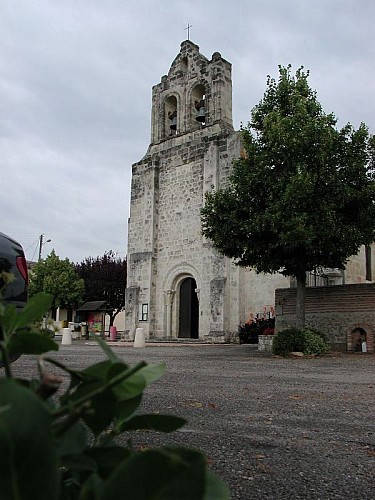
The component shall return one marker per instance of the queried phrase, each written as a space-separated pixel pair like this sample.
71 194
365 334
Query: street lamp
41 243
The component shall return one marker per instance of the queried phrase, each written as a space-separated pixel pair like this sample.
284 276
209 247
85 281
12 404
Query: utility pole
41 245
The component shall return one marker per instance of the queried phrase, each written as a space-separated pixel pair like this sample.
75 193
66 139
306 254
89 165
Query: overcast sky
75 95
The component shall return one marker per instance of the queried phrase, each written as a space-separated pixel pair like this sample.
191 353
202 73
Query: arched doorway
358 336
189 309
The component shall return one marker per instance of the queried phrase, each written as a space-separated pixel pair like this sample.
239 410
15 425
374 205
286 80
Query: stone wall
355 271
339 311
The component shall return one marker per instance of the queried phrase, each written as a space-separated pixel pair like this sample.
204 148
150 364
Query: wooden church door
189 309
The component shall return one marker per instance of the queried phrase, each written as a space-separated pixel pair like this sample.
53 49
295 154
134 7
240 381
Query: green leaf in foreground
164 474
31 343
34 310
161 423
28 458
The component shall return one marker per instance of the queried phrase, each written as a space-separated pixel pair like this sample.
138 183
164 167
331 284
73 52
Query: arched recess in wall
357 334
199 106
184 65
171 116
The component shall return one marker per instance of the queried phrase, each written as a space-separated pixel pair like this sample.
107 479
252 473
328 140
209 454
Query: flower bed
250 331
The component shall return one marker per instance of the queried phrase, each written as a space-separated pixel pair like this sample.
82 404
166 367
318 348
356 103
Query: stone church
178 285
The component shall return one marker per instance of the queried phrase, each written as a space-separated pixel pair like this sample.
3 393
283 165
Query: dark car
12 260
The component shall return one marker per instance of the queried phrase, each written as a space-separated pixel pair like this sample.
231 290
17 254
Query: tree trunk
113 315
301 300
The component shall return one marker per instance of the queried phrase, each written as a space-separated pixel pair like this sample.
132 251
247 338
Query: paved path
272 428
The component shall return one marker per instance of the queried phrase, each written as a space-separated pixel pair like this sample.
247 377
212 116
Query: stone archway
357 334
182 282
188 324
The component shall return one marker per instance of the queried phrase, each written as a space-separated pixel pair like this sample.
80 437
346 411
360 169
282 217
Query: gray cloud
76 79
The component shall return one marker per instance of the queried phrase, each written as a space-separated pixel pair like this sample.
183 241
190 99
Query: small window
143 312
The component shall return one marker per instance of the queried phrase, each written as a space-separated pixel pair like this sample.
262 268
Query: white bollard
139 338
66 337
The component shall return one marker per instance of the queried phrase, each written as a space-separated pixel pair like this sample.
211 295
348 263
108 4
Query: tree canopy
105 279
302 195
57 278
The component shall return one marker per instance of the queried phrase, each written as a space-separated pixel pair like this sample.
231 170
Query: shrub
314 343
288 340
248 333
317 332
306 340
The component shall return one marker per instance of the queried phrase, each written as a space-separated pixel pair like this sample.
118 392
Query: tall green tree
105 279
302 195
58 278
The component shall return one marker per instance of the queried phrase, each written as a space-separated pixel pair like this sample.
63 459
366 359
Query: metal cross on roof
188 30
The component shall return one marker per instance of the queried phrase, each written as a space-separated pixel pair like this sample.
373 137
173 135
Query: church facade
178 285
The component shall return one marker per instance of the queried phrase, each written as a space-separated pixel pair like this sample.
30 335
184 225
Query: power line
33 243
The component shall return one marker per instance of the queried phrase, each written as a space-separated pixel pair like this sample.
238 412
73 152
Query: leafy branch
57 445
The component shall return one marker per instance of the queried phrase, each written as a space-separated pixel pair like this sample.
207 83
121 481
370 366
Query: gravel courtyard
272 428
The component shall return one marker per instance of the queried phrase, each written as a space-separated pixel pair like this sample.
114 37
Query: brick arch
350 336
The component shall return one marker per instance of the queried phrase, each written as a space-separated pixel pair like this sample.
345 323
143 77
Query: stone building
178 285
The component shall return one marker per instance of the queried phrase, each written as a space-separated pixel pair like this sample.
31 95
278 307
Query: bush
288 340
306 340
314 344
317 332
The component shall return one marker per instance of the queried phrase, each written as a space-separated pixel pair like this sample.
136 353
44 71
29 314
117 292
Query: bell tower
178 285
195 93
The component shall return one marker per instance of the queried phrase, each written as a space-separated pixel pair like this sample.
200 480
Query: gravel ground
272 428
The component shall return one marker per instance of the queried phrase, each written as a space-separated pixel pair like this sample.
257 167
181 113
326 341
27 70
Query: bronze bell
173 118
201 116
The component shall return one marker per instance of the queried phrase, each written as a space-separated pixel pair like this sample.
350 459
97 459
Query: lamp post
41 243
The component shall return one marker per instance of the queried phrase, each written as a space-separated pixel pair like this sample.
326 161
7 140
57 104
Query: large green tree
58 278
105 279
302 195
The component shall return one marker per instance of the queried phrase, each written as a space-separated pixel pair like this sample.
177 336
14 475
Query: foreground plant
64 447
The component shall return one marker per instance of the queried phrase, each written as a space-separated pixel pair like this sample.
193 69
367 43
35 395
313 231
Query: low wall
265 343
346 313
